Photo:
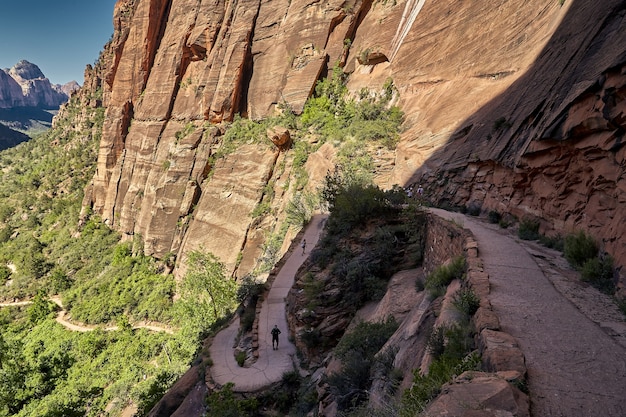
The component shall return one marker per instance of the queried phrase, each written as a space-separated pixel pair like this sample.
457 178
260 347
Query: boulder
476 394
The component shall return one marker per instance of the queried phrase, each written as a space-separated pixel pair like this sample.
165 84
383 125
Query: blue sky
60 36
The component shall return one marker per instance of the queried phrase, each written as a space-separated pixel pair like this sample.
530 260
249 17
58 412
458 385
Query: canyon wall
515 107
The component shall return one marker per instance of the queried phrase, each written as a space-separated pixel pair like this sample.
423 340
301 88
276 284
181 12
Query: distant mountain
28 101
24 85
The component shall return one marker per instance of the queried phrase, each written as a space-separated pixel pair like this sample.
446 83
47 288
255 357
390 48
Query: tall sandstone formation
517 107
24 85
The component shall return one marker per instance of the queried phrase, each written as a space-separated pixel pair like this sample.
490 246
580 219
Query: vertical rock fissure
240 101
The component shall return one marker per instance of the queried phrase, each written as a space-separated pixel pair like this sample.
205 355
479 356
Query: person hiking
303 245
275 333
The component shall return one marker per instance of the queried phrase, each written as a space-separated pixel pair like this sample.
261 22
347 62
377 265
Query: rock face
24 85
515 108
543 130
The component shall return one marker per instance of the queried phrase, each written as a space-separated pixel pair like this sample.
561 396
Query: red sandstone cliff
515 106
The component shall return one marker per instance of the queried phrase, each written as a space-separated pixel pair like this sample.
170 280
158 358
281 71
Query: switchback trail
79 327
271 364
576 362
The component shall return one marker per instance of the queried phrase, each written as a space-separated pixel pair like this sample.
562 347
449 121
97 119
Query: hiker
303 245
420 191
275 333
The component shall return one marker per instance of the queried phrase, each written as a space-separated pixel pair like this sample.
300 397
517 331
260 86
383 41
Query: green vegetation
599 272
358 352
438 280
579 248
49 368
363 264
554 242
46 250
207 295
528 229
452 347
494 217
583 253
337 117
223 403
501 123
428 386
466 301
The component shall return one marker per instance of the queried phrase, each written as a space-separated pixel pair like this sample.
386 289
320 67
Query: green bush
240 357
335 116
223 403
599 273
426 387
312 338
554 242
366 338
528 229
357 351
439 279
579 248
494 217
473 209
466 301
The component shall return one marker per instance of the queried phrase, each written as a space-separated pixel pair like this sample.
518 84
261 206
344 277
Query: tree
206 293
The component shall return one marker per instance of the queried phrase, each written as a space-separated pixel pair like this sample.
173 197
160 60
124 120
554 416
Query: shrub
223 403
439 279
501 123
466 301
494 217
473 209
426 387
366 338
357 351
528 229
312 338
436 341
599 273
554 242
504 224
247 319
579 248
240 357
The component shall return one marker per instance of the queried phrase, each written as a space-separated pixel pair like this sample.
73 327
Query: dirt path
80 327
271 364
573 341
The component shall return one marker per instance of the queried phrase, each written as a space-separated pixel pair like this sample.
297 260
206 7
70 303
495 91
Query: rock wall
549 146
517 107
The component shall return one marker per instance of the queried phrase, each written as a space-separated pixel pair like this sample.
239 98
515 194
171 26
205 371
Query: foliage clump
579 248
367 117
437 281
358 352
528 229
583 253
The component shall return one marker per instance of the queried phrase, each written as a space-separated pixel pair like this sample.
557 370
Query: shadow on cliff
550 148
531 116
